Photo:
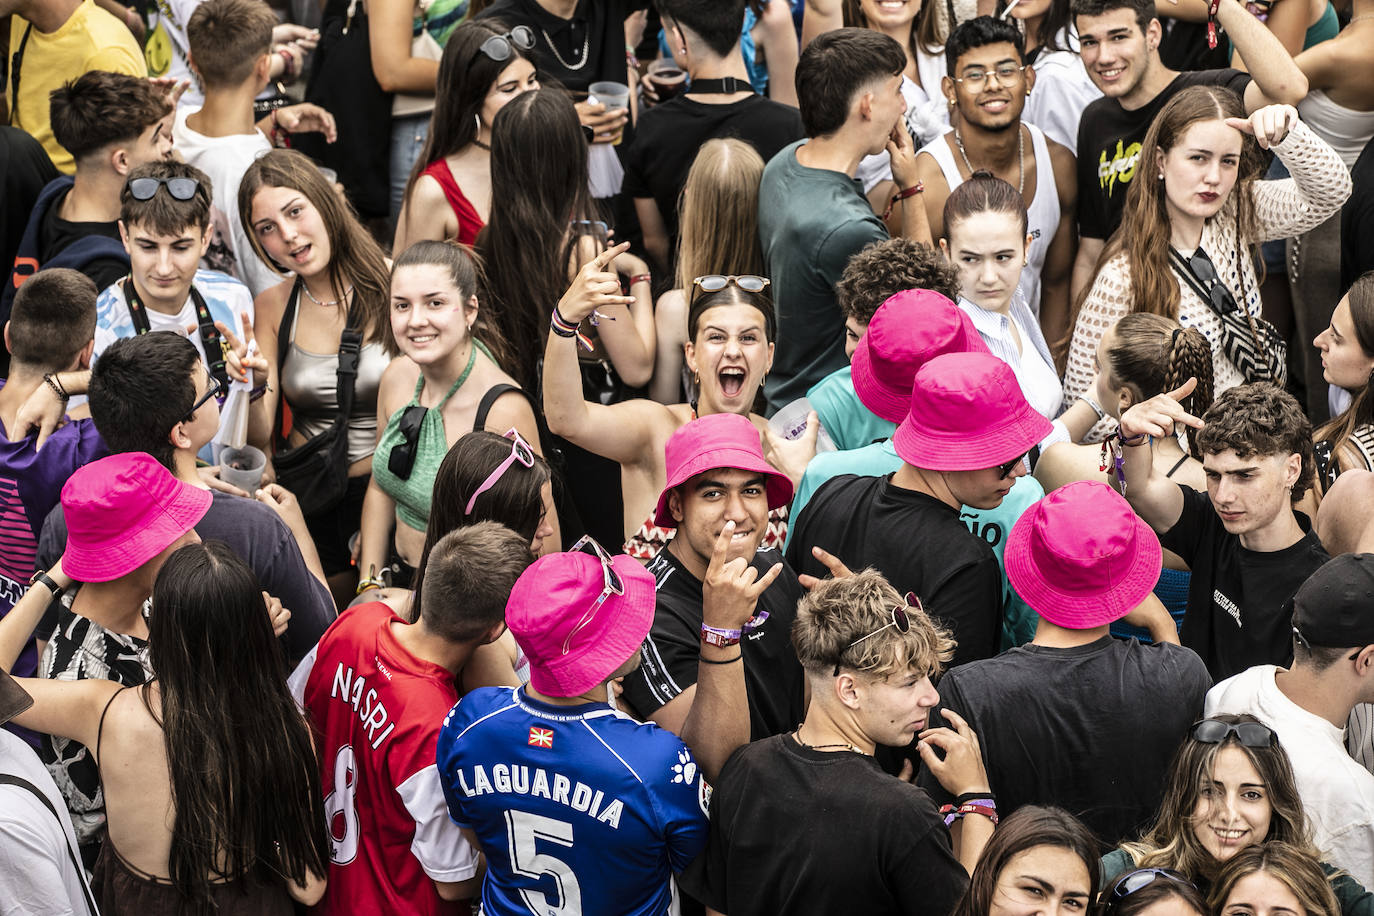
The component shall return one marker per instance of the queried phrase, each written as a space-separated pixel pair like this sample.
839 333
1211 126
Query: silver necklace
586 45
1358 18
348 292
1020 156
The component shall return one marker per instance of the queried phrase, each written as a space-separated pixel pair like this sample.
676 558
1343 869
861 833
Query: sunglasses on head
611 585
1142 878
900 619
402 460
714 283
499 47
218 390
1249 734
1004 470
519 451
179 188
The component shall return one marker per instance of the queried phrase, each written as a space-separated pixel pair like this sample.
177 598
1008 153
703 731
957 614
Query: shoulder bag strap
138 314
1184 270
479 422
350 350
288 317
7 779
210 339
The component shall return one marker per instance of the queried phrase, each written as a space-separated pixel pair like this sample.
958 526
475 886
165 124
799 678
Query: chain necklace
1020 156
586 45
843 746
348 292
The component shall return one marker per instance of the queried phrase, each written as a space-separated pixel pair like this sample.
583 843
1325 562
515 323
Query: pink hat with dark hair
1081 558
907 331
574 637
720 440
967 413
121 512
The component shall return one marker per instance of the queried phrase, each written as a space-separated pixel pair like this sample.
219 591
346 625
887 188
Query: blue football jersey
579 809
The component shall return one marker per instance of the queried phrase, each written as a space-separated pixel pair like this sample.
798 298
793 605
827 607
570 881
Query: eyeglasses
1004 470
900 619
1249 734
1297 634
519 451
218 389
714 283
1202 267
1142 878
611 585
402 460
1005 73
499 47
179 188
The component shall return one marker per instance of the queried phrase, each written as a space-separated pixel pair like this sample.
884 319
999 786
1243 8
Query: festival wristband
720 638
918 188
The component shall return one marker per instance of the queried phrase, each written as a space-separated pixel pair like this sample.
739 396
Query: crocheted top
1284 208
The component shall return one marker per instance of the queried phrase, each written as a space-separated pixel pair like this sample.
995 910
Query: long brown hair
924 28
1296 868
1029 827
719 207
355 258
1361 410
1144 231
1152 355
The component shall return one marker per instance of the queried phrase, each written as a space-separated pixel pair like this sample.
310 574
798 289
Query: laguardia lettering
535 782
354 691
1121 167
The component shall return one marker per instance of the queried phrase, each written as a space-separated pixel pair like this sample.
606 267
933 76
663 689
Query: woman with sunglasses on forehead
447 381
730 326
1153 892
484 66
1231 786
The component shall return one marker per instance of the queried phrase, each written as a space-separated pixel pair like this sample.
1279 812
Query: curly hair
884 269
1260 419
1151 354
835 615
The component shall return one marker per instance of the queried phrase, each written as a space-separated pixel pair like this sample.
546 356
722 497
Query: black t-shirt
1109 140
588 48
772 675
1235 618
261 539
1092 729
25 170
1357 221
914 540
55 234
796 831
669 136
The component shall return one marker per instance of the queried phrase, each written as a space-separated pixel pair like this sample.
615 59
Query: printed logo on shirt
685 770
704 797
541 737
1227 605
1121 167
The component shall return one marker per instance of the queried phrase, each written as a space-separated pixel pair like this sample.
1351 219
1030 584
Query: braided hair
1152 354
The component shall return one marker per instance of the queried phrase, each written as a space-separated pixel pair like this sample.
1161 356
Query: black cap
13 698
1335 606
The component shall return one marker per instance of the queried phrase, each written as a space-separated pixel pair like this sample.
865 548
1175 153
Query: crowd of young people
726 456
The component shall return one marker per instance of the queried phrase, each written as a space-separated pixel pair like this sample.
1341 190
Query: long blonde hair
718 225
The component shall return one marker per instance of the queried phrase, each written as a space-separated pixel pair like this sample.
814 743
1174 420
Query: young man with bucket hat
1077 718
578 807
962 443
906 332
1309 704
724 607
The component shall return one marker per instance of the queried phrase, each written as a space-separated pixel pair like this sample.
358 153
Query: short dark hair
468 580
141 387
162 212
716 22
100 108
52 318
227 37
884 269
978 33
835 67
1144 9
1259 419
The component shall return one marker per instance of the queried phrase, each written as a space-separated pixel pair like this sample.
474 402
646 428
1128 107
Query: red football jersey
377 711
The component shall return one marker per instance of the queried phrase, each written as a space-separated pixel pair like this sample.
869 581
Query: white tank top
1042 216
1345 129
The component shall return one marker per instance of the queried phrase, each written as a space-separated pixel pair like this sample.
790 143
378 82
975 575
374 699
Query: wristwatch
42 578
718 637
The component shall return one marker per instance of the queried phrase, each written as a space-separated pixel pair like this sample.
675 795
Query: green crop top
413 494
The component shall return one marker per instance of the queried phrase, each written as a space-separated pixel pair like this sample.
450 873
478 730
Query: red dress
469 221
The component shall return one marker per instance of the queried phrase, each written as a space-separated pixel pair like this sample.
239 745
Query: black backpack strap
7 779
138 313
210 339
288 316
479 423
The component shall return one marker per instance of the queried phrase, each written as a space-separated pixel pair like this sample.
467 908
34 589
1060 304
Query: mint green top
850 424
413 494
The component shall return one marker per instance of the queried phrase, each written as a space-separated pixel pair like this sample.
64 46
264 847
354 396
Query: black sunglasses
1202 267
1249 734
1142 878
218 390
402 460
900 619
498 47
179 188
1004 470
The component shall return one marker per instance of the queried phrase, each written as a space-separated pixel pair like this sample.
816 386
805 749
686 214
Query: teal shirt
992 525
850 424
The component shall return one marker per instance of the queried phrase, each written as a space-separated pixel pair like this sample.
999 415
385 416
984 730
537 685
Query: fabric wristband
719 637
918 188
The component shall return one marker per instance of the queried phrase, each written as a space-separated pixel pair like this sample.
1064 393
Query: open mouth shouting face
730 355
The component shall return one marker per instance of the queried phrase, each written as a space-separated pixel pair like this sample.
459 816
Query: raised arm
821 16
779 41
392 22
1320 182
1154 497
1107 302
1276 76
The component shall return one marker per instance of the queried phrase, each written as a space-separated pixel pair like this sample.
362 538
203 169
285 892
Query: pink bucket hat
721 440
573 643
967 413
121 512
907 331
1081 558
